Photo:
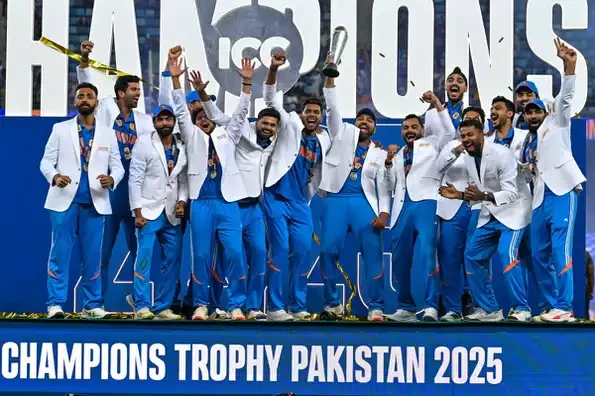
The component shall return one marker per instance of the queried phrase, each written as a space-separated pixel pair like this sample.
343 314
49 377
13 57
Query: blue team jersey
293 184
83 193
353 183
171 156
507 141
478 166
211 187
455 112
126 136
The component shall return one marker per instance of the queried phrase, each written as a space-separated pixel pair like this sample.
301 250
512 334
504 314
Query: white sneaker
168 314
94 313
201 313
336 310
143 314
375 315
451 316
220 314
237 314
558 316
255 314
537 318
430 315
403 316
279 316
55 312
483 316
130 301
516 315
300 315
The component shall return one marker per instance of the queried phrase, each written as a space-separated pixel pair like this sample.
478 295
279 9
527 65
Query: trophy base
331 71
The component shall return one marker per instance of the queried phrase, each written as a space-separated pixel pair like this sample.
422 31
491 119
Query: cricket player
81 161
215 186
502 221
523 93
158 188
548 159
414 178
128 124
252 155
357 202
294 175
455 222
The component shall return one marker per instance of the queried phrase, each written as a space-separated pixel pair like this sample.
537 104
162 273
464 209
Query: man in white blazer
215 185
81 161
252 156
548 160
414 178
293 177
158 188
357 201
128 124
457 221
502 221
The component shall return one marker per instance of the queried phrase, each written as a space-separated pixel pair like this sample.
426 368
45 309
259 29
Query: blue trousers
417 223
170 240
84 222
121 215
290 234
552 229
482 246
344 214
217 220
451 257
255 254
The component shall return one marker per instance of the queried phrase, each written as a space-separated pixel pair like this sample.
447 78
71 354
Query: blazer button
401 200
76 183
79 169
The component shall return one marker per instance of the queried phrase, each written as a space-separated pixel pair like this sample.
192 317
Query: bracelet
246 83
462 195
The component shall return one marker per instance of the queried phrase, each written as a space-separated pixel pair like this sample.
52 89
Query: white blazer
225 140
288 145
558 170
151 187
455 173
107 111
424 179
251 158
63 156
339 161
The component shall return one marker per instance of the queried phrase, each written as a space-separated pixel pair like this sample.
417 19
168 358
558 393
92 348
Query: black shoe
441 308
467 303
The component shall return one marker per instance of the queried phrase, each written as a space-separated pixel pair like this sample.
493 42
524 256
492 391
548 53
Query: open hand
247 70
197 82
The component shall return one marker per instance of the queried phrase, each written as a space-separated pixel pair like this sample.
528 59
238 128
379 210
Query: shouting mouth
469 146
410 136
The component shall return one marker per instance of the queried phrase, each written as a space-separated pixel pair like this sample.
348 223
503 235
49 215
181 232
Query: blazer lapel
160 150
484 160
74 136
470 165
181 158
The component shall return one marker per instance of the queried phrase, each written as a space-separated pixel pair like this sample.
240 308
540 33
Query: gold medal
358 165
127 153
353 176
213 174
86 168
132 127
91 143
119 122
456 115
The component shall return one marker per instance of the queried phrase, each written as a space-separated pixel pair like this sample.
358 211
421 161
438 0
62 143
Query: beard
86 111
165 132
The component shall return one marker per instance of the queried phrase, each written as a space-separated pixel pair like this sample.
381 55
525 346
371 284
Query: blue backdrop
26 232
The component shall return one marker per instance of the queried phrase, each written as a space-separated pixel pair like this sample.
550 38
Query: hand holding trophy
338 42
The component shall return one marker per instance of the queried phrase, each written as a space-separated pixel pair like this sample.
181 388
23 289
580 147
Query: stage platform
305 358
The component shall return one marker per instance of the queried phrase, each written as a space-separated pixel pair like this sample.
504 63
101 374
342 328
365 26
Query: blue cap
530 85
535 103
193 97
161 108
368 111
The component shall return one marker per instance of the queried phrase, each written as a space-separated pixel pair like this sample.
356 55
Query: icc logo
254 31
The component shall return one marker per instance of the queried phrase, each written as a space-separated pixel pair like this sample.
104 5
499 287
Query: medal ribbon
84 147
407 159
213 159
125 136
175 153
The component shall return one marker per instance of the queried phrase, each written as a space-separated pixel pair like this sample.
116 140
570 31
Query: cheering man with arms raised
294 174
353 175
78 157
547 156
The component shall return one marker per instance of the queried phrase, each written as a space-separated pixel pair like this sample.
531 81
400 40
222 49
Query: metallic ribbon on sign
107 69
352 287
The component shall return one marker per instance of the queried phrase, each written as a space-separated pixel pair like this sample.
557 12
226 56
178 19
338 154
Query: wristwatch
485 196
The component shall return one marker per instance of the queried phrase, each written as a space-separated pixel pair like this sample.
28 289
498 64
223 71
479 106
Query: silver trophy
338 42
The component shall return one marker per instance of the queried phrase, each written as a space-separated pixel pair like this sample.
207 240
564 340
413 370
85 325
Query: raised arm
563 110
184 121
50 157
138 167
116 168
333 116
270 86
240 116
214 113
441 126
183 185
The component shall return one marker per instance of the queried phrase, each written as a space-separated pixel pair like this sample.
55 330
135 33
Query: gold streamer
107 69
352 287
